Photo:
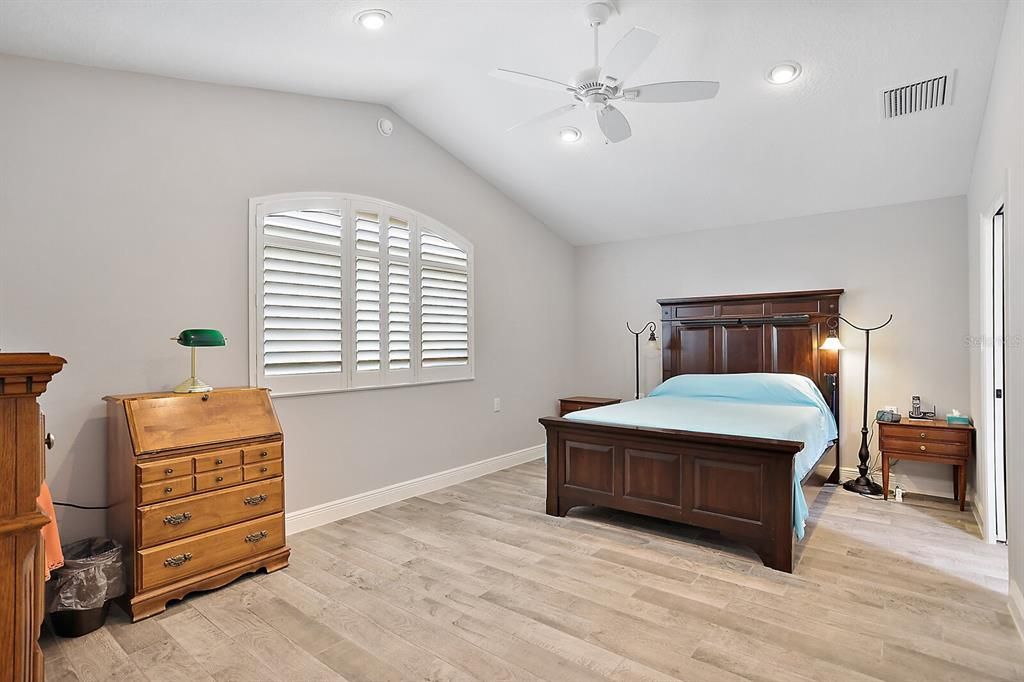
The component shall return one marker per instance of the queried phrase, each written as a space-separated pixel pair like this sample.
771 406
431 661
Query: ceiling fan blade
628 54
554 113
529 79
613 124
672 91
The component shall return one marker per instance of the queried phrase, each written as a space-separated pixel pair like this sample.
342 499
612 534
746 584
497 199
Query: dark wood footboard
740 486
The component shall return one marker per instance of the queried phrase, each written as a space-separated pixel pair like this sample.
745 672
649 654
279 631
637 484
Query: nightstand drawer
918 447
927 433
568 407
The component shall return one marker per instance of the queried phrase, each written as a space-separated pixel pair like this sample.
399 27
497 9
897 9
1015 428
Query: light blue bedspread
780 406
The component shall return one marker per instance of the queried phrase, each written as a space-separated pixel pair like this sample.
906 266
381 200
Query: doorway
998 351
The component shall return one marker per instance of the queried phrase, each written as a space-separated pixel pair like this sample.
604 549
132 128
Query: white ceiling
757 152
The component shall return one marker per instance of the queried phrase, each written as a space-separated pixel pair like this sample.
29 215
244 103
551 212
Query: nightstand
583 402
928 441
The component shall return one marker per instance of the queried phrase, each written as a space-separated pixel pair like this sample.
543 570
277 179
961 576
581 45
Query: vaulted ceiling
757 152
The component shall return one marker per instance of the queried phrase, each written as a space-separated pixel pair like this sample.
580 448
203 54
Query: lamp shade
832 342
198 338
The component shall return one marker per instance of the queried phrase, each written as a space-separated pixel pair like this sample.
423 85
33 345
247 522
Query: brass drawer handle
924 435
168 471
218 461
264 453
219 479
255 500
178 560
264 470
256 537
177 519
923 448
169 489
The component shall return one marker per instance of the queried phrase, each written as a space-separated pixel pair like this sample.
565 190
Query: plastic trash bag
93 573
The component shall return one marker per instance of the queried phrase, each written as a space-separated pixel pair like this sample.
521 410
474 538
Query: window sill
289 394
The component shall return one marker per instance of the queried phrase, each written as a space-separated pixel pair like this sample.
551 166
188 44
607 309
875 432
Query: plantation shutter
399 304
367 292
444 302
302 293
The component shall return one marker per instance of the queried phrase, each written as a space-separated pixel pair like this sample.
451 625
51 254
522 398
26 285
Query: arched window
352 292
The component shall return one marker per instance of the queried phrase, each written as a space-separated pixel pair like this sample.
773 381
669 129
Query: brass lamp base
193 385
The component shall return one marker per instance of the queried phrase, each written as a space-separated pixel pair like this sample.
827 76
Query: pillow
761 388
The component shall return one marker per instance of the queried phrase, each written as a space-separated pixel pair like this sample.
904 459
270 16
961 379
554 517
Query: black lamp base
863 485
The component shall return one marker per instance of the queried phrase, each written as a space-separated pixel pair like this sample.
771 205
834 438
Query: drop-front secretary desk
196 484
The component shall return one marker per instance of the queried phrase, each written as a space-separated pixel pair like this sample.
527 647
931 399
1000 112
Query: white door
998 375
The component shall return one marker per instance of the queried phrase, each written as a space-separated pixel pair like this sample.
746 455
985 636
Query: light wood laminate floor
475 582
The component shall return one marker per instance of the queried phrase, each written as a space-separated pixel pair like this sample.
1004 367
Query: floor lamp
650 326
863 483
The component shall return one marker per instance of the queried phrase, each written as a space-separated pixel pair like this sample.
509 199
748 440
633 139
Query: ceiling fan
596 87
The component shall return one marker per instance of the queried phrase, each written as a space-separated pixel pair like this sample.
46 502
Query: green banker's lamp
197 338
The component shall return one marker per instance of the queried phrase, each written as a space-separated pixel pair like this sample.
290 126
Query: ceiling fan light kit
596 87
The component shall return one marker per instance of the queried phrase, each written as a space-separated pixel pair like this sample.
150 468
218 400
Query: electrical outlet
497 404
898 493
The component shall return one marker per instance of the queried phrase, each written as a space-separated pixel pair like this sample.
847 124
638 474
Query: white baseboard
908 483
1017 607
979 513
311 517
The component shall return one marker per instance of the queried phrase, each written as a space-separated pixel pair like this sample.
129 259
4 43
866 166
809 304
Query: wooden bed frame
740 486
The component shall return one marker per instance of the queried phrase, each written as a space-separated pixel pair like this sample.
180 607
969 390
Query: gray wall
123 210
999 174
907 260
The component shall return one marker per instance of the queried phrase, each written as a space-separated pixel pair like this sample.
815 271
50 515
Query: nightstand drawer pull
255 500
219 479
923 448
256 537
178 560
264 453
168 471
221 461
169 489
177 519
924 435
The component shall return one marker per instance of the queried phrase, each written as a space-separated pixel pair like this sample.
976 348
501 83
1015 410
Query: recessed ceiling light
783 73
372 19
570 134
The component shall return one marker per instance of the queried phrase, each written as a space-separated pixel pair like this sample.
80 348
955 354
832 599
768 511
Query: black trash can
92 575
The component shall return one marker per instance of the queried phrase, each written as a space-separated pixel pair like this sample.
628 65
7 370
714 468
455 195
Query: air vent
909 99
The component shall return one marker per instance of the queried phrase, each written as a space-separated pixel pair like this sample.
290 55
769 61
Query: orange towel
51 538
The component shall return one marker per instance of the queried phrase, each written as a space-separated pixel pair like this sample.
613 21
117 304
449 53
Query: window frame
350 379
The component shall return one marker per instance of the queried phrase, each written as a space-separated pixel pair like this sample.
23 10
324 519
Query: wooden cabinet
928 440
23 378
197 491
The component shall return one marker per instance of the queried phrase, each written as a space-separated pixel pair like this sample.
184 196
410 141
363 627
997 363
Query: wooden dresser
196 485
928 440
23 378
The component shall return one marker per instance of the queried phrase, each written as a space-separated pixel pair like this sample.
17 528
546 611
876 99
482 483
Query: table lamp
197 338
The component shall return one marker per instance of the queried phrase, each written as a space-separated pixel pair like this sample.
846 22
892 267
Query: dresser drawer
220 478
164 469
179 519
175 560
262 453
926 434
221 459
895 446
253 472
165 490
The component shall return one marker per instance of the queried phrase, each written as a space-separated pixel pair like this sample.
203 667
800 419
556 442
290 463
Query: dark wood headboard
778 332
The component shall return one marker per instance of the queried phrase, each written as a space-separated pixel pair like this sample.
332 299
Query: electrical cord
77 506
